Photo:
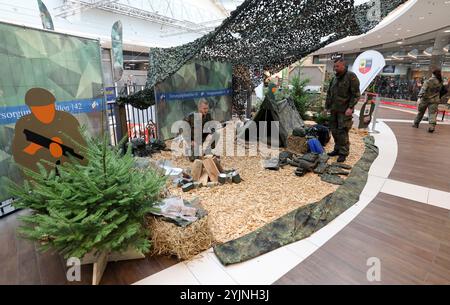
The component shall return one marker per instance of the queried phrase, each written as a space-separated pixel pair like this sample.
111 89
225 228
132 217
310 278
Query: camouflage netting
303 222
267 35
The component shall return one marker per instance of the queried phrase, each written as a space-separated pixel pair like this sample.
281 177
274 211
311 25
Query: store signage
367 66
335 56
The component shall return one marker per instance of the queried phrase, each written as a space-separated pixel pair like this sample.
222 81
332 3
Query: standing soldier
342 96
429 98
46 134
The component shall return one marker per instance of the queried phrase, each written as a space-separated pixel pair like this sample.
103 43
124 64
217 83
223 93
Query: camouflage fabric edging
303 222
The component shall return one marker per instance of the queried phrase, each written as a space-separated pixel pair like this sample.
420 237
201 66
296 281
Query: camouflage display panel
68 66
179 95
302 222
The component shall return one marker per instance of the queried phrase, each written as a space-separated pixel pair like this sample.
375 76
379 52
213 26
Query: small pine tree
97 207
301 98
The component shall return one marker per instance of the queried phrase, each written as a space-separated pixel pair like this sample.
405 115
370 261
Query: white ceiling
414 18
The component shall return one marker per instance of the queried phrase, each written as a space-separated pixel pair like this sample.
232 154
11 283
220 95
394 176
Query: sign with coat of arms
367 66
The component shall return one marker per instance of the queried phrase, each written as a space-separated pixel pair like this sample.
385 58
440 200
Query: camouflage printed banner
178 95
117 50
47 22
68 66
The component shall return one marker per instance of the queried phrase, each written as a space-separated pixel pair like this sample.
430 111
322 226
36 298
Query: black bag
322 133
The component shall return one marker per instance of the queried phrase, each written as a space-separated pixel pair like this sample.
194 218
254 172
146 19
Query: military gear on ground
300 172
138 147
285 155
310 157
315 146
39 97
272 164
292 163
321 132
304 221
323 158
299 132
343 94
340 165
321 168
188 187
236 178
429 98
333 170
307 166
333 179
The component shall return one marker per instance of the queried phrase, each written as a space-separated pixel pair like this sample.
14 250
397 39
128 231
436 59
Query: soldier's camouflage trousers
340 125
432 112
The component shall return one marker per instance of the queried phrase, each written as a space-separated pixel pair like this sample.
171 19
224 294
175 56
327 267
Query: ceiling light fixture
399 55
413 53
428 51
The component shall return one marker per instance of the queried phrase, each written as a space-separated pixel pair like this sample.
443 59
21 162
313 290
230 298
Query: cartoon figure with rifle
46 133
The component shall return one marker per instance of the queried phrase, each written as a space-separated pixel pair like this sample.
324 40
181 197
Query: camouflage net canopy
268 35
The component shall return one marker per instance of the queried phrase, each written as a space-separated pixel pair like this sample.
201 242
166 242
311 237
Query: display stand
372 130
100 260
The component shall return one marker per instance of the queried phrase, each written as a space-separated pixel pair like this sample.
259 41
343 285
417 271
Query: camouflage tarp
303 222
269 35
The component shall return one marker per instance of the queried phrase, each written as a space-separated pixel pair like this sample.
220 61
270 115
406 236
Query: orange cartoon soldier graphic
46 133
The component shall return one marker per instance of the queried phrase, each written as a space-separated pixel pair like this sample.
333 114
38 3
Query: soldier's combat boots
341 159
333 154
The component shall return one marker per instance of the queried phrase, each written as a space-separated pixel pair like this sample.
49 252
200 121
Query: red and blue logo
365 66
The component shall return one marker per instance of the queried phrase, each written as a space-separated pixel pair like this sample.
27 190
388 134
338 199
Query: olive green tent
283 113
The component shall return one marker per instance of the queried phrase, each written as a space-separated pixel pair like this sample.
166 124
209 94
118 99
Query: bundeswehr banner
67 66
367 66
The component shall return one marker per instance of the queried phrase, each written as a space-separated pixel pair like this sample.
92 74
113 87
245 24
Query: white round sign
367 66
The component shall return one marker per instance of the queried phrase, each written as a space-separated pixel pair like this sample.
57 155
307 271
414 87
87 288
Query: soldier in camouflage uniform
342 96
429 98
198 120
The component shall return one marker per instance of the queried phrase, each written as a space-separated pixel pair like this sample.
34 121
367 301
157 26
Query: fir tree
100 206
